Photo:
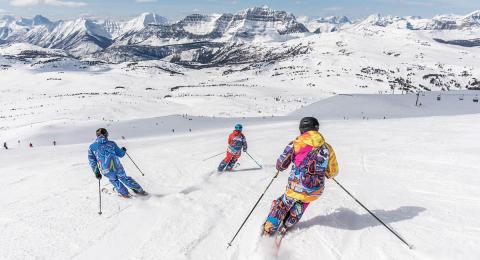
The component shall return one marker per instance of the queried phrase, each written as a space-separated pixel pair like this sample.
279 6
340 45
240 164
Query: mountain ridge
113 40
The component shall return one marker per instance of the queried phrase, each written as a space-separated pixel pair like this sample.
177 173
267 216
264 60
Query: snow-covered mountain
259 23
439 22
84 36
199 24
408 54
325 24
264 22
142 21
213 40
80 37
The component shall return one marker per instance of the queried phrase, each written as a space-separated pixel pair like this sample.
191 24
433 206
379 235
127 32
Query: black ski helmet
308 124
102 131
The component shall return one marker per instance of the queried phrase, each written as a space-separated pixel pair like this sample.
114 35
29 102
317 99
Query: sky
176 9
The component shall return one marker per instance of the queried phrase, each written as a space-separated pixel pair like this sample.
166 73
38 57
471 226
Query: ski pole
213 156
371 213
134 163
99 199
253 159
238 231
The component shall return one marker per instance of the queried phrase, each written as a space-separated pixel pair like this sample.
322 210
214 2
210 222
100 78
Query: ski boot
140 192
126 196
221 167
282 230
268 229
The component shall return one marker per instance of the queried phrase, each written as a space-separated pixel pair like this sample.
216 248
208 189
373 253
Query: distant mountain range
150 36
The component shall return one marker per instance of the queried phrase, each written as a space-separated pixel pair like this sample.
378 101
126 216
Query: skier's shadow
344 218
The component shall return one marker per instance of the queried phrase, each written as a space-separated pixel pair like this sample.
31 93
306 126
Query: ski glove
124 149
244 150
98 175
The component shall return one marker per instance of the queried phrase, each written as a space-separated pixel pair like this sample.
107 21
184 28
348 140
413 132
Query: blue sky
174 9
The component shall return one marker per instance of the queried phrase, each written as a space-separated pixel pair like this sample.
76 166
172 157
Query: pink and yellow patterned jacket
313 159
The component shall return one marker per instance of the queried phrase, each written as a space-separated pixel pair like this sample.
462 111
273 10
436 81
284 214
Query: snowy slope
336 63
422 170
370 106
49 200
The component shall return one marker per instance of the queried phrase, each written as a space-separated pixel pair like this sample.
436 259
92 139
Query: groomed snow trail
418 174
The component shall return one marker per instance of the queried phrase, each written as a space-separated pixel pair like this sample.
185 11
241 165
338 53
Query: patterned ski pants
286 209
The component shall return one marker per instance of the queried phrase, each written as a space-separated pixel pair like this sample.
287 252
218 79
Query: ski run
418 174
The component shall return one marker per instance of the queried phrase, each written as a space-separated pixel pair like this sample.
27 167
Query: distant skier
313 159
30 145
54 143
103 156
236 143
5 145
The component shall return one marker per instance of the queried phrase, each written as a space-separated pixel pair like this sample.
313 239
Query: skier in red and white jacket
236 143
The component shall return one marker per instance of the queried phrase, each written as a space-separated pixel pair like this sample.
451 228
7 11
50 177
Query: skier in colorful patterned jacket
103 156
236 143
313 160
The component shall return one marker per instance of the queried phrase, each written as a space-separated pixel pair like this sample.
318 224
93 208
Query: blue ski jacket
103 156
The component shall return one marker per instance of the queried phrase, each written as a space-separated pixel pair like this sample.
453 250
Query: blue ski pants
120 179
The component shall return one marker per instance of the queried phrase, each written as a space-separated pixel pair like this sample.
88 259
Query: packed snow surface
418 174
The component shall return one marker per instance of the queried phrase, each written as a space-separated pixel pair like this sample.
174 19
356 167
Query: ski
279 235
277 238
230 170
111 191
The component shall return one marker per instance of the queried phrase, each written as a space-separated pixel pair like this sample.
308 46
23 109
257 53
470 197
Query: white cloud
47 2
24 2
145 1
65 3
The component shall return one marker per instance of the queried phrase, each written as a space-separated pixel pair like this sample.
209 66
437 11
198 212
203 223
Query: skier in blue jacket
103 156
